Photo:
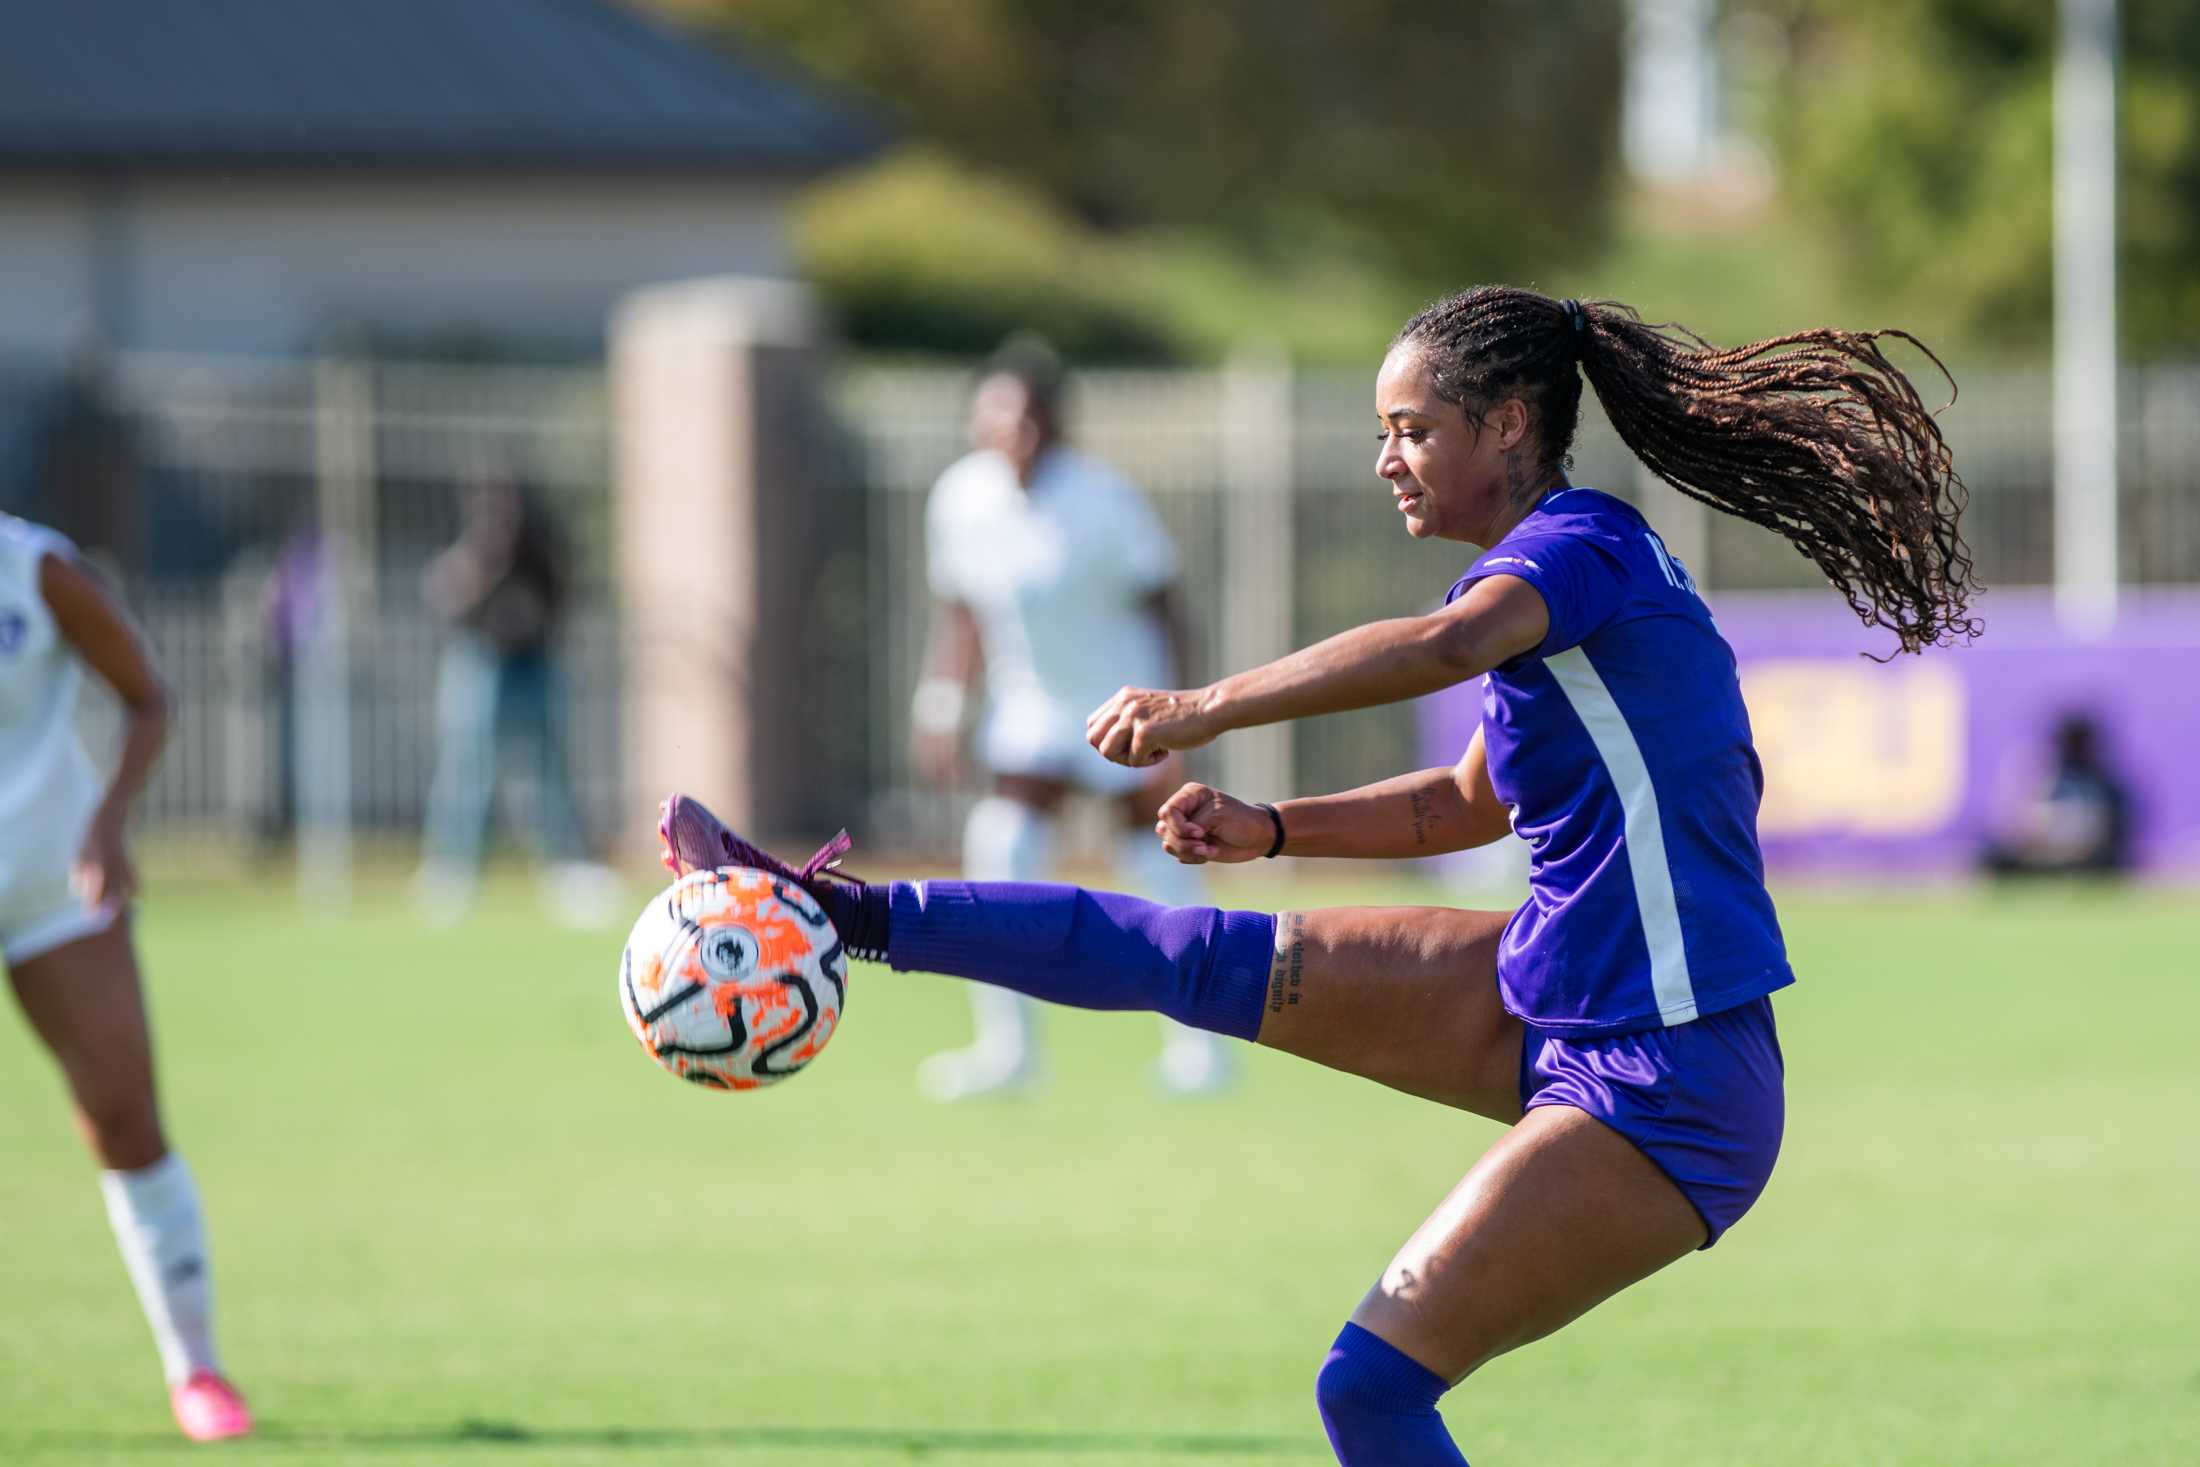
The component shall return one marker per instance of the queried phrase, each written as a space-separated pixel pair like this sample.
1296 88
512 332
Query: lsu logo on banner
1855 748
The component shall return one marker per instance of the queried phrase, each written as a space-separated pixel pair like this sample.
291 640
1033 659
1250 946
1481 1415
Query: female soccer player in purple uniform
1618 1022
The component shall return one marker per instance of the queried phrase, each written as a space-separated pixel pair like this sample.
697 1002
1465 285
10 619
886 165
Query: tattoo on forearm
1424 813
1288 966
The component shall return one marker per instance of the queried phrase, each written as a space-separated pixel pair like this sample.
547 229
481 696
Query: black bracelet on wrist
1275 818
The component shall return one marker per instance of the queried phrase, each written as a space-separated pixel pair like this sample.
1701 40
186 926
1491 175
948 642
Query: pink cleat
692 837
209 1409
696 840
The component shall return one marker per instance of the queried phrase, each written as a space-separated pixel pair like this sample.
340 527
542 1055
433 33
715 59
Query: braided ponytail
1816 435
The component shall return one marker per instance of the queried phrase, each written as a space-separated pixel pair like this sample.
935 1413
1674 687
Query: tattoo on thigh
1288 966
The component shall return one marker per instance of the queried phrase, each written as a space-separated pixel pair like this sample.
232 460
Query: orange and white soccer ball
733 978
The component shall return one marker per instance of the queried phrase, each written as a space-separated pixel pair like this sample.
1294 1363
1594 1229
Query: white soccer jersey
1059 576
47 786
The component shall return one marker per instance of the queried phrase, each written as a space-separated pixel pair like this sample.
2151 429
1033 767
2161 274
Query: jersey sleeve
942 555
1583 585
30 543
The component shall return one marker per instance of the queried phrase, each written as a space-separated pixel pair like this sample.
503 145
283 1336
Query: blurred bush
920 254
917 254
1448 143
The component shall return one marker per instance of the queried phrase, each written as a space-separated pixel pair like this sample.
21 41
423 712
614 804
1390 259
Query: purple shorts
1703 1099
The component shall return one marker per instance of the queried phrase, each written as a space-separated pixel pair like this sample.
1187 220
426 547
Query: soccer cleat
209 1409
976 1073
696 840
582 894
1193 1065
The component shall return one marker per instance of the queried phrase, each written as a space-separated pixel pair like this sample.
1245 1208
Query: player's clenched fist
1198 824
1141 726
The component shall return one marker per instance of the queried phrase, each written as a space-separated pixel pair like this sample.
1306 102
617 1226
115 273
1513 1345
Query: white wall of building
262 265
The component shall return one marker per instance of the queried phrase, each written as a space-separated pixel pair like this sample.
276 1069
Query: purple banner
1925 763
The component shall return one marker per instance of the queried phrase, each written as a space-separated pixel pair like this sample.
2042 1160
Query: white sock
1151 872
1005 840
155 1214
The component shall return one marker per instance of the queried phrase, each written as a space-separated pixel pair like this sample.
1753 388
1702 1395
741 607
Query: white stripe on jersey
1645 835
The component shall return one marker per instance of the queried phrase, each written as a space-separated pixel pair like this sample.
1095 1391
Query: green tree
1449 142
1917 136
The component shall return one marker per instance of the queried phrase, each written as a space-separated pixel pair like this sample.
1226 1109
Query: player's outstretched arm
1426 813
1382 662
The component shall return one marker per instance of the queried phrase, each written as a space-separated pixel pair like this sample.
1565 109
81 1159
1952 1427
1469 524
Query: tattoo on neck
1289 964
1516 478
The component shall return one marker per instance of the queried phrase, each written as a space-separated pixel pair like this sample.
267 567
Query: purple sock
1379 1405
1088 949
859 912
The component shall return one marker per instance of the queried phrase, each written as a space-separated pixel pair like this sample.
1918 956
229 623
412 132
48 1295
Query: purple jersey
1622 749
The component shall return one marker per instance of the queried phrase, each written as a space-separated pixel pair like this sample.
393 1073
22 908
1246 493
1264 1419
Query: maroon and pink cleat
696 840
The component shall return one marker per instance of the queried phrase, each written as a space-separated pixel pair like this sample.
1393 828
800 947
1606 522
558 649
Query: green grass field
458 1217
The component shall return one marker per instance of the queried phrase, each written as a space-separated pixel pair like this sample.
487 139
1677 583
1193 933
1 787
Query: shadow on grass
911 1442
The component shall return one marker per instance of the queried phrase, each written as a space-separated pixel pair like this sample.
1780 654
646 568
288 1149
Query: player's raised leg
1558 1216
1406 995
85 1001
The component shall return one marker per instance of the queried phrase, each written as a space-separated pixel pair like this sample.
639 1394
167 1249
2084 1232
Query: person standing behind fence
501 590
290 613
66 886
1051 572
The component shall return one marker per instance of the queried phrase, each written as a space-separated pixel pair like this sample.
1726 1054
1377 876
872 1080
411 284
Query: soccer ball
733 979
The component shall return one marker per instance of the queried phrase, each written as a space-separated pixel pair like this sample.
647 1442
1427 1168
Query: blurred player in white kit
66 885
1053 576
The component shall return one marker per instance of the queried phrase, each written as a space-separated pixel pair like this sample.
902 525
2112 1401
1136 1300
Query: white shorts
1038 752
39 908
34 923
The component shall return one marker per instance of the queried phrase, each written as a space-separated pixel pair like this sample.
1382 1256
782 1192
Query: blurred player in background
66 883
1053 577
501 588
1619 1023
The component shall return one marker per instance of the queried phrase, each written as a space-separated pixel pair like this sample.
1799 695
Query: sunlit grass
457 1215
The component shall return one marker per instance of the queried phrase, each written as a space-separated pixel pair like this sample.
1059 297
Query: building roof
147 85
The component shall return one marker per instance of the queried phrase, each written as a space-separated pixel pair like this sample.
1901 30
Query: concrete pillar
722 505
